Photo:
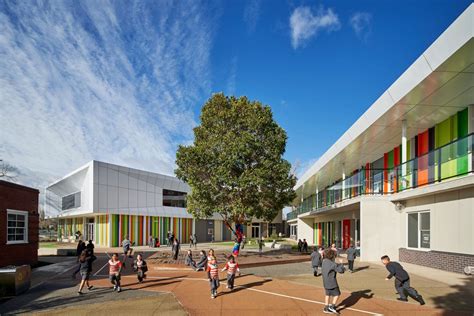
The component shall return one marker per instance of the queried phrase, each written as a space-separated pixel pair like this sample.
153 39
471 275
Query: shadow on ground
461 300
355 297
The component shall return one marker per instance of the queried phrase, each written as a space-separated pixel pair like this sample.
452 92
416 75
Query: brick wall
21 198
453 262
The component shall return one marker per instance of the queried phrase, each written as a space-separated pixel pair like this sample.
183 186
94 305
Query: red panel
396 156
346 233
423 143
320 234
423 147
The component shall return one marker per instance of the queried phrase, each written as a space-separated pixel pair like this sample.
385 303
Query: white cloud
361 23
305 24
251 14
82 81
231 81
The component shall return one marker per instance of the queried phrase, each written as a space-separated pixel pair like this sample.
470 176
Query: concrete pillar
404 153
343 182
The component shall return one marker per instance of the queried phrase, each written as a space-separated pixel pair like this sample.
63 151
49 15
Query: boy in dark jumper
329 273
351 255
402 280
316 260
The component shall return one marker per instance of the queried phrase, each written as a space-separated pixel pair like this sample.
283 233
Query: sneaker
420 300
402 299
226 286
315 274
79 292
213 296
90 287
326 310
332 309
115 287
119 289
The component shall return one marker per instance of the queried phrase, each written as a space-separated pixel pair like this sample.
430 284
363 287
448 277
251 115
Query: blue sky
124 81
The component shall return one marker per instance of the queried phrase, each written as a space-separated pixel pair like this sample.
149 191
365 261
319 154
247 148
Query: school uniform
232 268
402 280
213 275
329 271
351 255
141 268
316 260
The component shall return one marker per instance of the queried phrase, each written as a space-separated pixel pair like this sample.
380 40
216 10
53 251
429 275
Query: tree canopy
235 165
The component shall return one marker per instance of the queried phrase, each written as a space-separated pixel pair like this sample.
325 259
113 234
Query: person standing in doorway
329 271
402 280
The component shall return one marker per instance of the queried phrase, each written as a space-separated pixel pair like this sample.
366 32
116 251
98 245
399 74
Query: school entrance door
256 230
89 230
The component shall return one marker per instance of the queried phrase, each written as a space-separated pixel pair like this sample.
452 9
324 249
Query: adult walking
402 280
351 255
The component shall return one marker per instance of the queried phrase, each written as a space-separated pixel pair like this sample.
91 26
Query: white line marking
266 292
95 274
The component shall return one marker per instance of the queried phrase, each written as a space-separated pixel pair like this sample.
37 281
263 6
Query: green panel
462 165
408 150
444 132
454 127
390 159
448 169
115 230
463 123
315 233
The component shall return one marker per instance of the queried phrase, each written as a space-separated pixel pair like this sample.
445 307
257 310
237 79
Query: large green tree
235 165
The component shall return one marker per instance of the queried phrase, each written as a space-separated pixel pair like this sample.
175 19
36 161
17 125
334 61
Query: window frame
419 230
26 231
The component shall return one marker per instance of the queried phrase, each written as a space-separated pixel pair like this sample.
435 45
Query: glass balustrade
451 160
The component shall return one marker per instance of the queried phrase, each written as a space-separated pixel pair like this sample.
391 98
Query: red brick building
18 224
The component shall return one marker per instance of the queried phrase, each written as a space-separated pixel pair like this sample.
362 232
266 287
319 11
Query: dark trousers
402 286
351 264
140 275
230 281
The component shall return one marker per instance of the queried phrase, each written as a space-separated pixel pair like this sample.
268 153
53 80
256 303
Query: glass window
174 198
17 227
71 201
413 230
419 230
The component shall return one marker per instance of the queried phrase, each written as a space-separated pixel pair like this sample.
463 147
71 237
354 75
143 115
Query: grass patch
50 245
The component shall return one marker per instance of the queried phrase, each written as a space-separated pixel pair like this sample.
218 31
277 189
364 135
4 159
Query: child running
85 268
232 267
329 271
115 268
139 266
212 273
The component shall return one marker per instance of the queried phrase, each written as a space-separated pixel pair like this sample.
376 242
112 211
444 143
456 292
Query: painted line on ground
265 292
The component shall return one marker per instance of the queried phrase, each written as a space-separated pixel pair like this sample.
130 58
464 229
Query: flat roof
438 84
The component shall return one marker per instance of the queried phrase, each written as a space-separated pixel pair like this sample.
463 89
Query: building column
317 197
343 182
404 153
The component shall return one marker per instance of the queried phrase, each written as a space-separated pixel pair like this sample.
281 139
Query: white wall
451 220
305 229
124 190
380 229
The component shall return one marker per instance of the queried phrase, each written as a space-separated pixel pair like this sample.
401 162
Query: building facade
400 181
19 221
106 202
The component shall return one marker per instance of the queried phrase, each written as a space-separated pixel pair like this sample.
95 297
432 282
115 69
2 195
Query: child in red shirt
232 267
212 273
115 267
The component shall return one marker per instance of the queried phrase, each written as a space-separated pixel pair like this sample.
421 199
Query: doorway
255 230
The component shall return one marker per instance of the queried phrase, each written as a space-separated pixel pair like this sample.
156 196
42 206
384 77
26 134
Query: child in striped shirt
232 267
212 273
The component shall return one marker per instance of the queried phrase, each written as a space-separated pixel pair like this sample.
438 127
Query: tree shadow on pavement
462 300
355 297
